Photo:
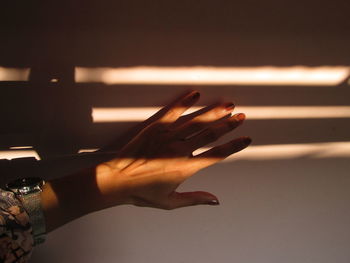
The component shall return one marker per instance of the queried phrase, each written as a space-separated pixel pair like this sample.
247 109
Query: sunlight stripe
206 75
252 112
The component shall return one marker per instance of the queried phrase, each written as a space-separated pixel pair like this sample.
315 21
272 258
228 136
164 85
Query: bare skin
150 167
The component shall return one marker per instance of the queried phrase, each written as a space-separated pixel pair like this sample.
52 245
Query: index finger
160 115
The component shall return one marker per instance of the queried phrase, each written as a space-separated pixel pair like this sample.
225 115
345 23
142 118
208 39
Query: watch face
23 182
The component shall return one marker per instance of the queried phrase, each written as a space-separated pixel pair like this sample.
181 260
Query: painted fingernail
195 96
240 117
229 106
213 202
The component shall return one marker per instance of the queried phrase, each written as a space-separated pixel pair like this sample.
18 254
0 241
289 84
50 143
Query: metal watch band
32 204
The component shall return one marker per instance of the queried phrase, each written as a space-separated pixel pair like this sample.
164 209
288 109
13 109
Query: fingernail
213 202
247 140
240 117
195 96
229 106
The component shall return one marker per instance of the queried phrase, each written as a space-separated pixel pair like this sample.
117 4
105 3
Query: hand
148 170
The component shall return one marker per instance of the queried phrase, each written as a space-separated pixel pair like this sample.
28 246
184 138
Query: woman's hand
150 167
148 170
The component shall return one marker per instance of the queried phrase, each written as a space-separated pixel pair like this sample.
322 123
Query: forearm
71 197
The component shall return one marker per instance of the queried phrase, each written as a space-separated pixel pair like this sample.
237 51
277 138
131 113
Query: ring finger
198 122
214 132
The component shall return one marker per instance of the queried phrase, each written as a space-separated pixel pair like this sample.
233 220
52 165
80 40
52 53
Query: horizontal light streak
291 151
20 147
200 75
205 75
12 154
88 150
14 74
252 112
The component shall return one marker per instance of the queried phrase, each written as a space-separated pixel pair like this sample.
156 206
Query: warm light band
291 151
252 112
12 154
14 74
202 75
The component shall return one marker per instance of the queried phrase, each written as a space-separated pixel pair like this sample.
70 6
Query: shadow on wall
53 114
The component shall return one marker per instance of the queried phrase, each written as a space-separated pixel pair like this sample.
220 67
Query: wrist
69 198
112 186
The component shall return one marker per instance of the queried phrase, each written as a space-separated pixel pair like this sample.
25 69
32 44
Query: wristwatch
28 191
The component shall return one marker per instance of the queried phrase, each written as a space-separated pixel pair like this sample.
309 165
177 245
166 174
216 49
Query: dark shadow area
221 33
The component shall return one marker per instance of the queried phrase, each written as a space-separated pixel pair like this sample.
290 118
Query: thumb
178 200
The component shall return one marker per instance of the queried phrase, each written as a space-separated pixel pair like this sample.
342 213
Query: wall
273 209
